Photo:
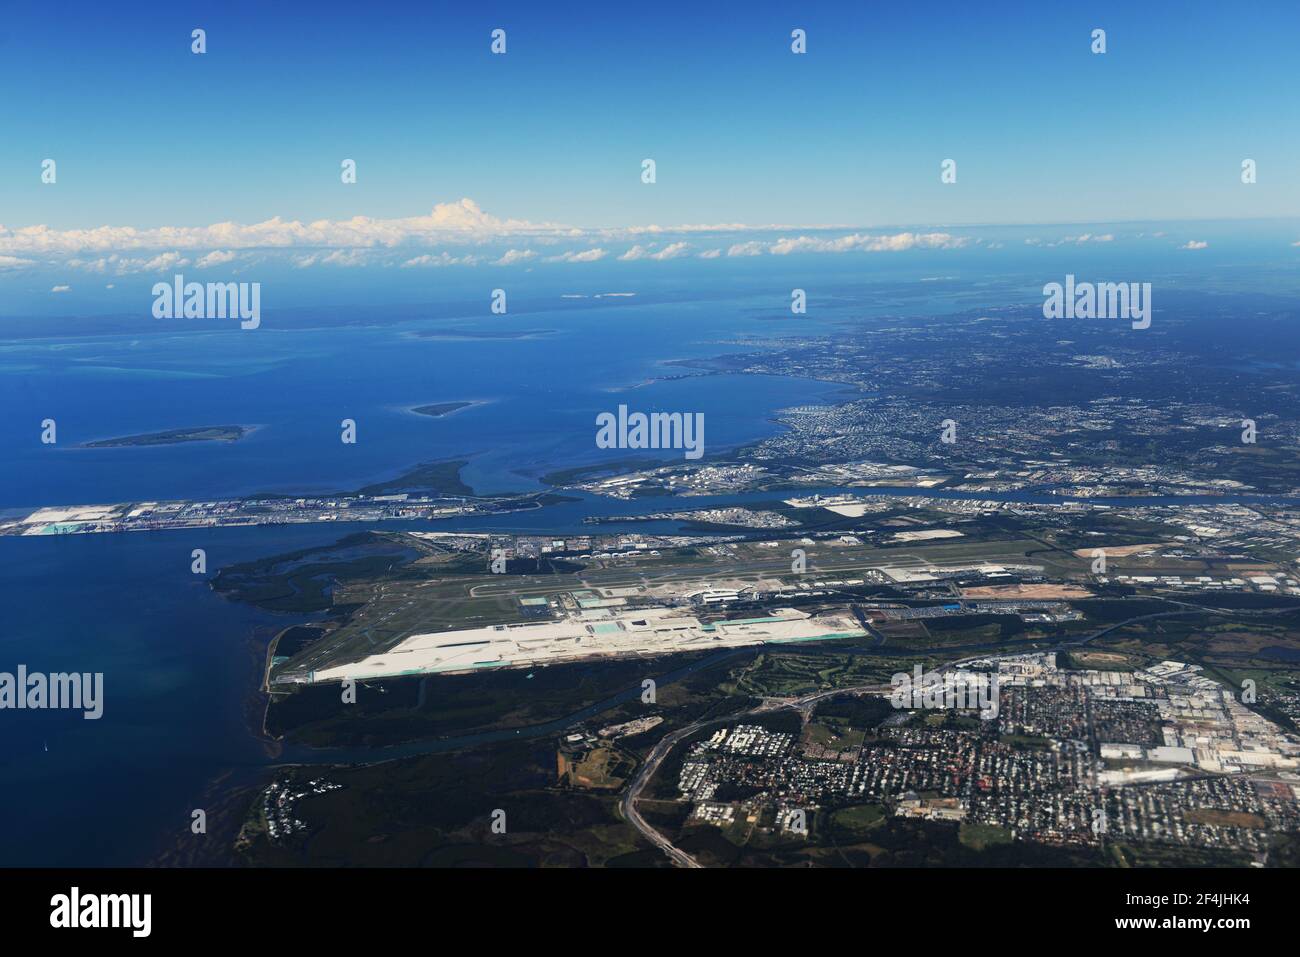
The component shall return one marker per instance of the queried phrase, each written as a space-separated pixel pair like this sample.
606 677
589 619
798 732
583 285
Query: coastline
163 438
228 795
461 405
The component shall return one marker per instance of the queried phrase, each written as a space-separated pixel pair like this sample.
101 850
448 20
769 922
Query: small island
449 333
205 433
439 409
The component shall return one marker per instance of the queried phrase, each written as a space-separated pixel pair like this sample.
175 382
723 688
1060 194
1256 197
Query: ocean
539 397
178 660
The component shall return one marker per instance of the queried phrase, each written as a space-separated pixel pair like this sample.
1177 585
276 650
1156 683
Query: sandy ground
1117 551
1026 591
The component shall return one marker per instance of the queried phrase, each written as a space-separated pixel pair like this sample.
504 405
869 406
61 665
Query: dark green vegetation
979 837
862 835
377 588
293 640
438 810
205 433
304 581
430 478
435 810
1159 855
788 673
417 708
404 811
587 473
1225 643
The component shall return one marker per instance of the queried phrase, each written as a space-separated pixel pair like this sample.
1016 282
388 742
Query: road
805 704
666 745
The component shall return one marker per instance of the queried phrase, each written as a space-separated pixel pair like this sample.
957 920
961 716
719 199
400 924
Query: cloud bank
449 235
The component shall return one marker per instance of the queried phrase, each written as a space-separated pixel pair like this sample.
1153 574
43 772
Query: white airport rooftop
643 632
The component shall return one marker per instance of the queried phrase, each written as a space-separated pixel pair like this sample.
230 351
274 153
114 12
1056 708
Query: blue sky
148 135
742 130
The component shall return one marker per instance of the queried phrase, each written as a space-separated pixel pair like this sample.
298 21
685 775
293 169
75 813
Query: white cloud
712 228
1194 244
866 243
164 261
671 251
122 265
1072 240
586 256
854 242
339 257
103 264
217 257
512 256
442 259
438 238
460 221
61 289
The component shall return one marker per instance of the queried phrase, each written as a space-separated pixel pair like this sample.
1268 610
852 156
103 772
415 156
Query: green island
439 478
205 433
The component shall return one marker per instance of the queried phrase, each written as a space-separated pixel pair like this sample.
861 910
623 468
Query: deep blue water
541 397
176 670
176 658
